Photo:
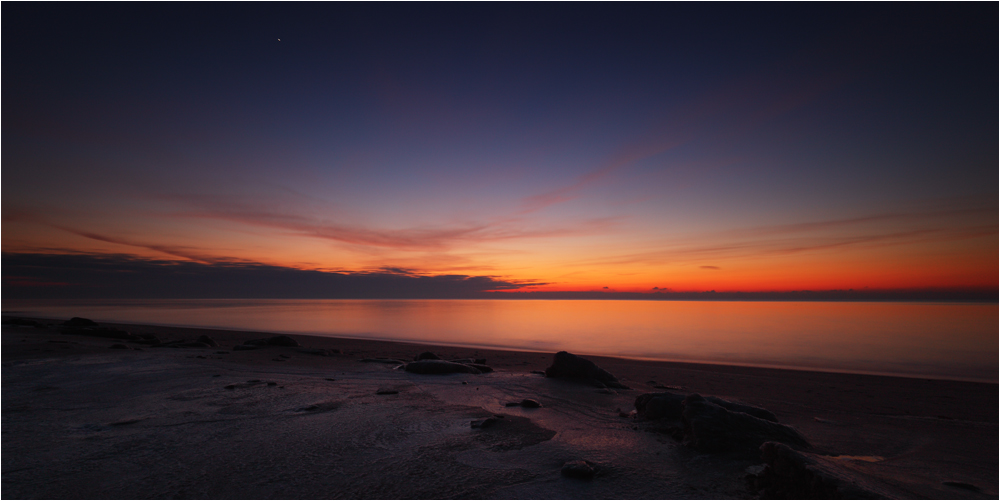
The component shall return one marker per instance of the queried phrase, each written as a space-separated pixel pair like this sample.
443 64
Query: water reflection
941 340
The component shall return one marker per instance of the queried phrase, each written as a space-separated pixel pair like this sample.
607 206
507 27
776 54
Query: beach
84 420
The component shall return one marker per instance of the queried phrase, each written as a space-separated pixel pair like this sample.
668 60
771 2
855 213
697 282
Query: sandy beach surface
84 420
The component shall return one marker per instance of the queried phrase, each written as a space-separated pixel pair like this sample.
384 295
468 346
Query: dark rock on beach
530 404
579 469
484 423
567 365
208 341
709 427
747 409
323 352
427 356
664 405
792 474
23 322
668 405
148 339
485 369
384 361
440 367
274 341
80 322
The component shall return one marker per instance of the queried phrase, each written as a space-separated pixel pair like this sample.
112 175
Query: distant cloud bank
29 275
118 276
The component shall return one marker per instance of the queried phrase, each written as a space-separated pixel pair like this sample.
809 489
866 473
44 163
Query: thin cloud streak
796 239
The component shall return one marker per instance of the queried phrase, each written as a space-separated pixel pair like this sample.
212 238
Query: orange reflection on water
939 340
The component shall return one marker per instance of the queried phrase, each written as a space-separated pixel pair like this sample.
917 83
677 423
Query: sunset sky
514 146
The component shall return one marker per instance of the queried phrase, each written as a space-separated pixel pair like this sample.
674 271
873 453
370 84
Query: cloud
710 267
85 276
941 222
422 238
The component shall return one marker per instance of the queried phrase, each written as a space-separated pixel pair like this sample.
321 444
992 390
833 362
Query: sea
957 341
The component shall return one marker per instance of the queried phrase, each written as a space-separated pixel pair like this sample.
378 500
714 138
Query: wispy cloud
941 224
422 238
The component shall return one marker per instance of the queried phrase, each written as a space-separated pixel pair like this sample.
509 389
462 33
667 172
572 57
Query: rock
209 341
479 361
484 423
567 365
530 404
427 356
962 485
709 427
485 369
440 367
119 346
80 322
579 469
668 405
23 322
664 405
384 361
148 339
791 474
274 341
321 351
748 409
382 391
191 344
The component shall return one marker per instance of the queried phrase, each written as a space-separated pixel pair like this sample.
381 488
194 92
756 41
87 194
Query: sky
161 148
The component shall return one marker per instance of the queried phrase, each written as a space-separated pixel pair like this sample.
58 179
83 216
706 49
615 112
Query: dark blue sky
688 146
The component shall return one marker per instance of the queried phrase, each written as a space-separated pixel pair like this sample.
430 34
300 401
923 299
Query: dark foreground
83 420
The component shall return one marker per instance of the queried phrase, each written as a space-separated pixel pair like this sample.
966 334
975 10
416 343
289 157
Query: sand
83 420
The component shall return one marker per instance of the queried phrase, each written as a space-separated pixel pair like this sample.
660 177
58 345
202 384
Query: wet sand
82 420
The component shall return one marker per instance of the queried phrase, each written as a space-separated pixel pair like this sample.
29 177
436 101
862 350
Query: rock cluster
711 424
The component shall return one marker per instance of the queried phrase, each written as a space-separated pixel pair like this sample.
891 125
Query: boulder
384 361
80 322
484 423
792 474
709 427
427 356
440 367
748 409
530 404
23 322
664 405
669 405
579 469
274 341
209 341
482 368
567 365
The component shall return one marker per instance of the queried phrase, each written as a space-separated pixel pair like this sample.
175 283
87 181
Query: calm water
955 341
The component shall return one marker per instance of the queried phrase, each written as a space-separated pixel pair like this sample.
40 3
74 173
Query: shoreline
924 433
